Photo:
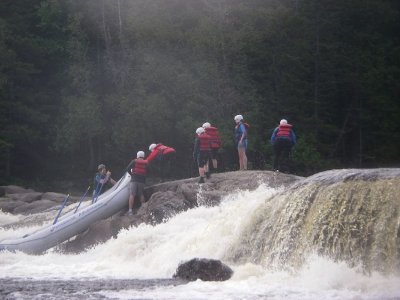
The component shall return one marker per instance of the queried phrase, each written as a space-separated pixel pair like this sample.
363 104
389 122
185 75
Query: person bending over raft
164 158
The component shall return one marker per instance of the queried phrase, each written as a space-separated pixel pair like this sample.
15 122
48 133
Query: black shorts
214 153
202 158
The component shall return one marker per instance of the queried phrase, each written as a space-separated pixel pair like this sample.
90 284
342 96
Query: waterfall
344 215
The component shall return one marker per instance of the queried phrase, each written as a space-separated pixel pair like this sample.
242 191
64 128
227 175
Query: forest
95 81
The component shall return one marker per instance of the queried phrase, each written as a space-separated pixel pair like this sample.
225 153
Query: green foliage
83 82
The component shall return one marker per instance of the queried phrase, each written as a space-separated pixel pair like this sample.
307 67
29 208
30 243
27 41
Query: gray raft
71 224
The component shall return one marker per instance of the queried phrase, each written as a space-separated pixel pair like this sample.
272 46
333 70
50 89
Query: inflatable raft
73 223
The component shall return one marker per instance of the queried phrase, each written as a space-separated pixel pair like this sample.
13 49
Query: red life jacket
140 167
215 140
284 131
163 149
204 140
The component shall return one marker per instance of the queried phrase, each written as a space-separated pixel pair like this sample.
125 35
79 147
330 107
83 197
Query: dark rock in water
56 197
2 191
7 205
203 269
34 207
98 233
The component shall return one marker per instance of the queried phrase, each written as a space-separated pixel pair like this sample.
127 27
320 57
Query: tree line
89 82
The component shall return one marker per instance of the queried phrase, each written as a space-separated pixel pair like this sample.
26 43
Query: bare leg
215 164
244 159
201 172
240 159
131 201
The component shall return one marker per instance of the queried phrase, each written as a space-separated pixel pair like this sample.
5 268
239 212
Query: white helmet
238 118
152 146
283 122
206 125
140 154
200 130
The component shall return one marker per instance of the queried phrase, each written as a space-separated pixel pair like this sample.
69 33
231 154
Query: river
140 262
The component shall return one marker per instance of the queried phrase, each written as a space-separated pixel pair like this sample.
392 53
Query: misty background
95 81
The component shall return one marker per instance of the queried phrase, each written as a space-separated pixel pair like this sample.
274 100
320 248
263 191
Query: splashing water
226 232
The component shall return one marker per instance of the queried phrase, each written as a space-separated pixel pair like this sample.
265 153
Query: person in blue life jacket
241 141
137 168
102 181
283 139
201 152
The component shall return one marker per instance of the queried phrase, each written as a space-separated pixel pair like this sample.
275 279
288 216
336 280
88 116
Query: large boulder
97 233
14 189
27 197
34 207
56 197
203 269
8 205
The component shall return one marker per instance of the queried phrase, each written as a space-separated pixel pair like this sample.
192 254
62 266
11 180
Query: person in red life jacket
215 144
163 157
138 171
283 139
201 152
241 141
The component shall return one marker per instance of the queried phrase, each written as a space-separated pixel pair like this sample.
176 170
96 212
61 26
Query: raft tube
71 224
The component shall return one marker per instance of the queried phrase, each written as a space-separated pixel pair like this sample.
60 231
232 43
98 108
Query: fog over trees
95 81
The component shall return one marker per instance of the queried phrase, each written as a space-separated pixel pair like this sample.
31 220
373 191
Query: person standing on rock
241 141
215 144
201 152
101 180
283 139
138 171
163 157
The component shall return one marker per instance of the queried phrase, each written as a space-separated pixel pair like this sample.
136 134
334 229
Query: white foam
149 252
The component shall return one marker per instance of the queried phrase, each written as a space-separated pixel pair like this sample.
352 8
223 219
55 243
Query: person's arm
103 180
273 136
244 132
196 148
293 137
130 166
152 155
113 182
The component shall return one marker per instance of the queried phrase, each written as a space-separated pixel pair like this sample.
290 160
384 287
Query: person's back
163 158
283 139
138 171
215 144
159 151
201 152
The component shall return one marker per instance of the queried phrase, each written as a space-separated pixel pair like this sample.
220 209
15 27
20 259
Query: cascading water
347 215
315 240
